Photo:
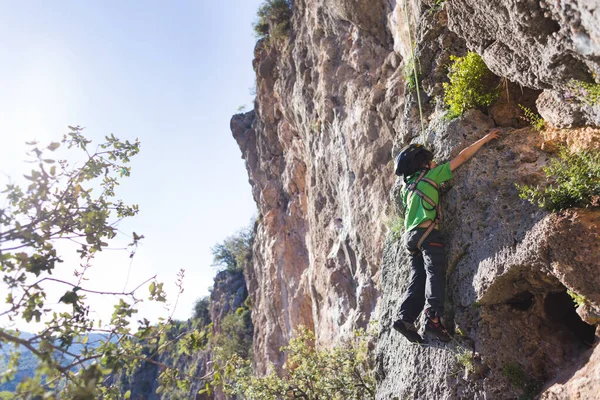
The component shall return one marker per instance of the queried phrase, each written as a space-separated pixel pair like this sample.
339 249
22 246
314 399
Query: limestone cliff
332 108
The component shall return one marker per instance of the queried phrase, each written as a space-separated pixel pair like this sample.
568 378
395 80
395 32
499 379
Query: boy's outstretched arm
472 149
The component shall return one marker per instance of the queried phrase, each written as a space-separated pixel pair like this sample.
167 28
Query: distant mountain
28 361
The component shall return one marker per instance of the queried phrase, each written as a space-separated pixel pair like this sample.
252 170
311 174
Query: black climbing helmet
403 165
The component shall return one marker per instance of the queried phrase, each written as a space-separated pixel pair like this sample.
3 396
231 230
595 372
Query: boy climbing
422 239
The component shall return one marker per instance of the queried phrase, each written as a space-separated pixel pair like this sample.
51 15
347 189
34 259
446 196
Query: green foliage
465 358
437 5
395 226
201 311
515 374
577 299
586 92
520 380
235 336
343 372
468 87
535 120
62 202
316 126
233 252
409 73
273 20
575 181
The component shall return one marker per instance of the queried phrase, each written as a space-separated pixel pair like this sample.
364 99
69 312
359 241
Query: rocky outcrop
317 148
228 294
510 266
538 44
578 381
333 107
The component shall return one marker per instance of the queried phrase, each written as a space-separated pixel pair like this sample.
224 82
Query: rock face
538 44
509 269
332 108
318 153
229 293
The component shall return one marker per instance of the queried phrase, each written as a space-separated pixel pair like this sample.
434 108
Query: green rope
412 51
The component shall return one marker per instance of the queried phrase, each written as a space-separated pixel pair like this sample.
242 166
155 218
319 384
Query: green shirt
415 213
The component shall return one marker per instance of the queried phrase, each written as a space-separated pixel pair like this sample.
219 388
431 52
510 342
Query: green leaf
127 394
69 297
53 146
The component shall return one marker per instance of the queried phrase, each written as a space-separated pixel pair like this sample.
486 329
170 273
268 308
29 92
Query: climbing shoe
408 330
433 325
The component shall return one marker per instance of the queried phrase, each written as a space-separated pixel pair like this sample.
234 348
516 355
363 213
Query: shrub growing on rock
395 226
534 119
235 336
409 73
578 299
201 311
469 85
233 252
273 19
343 372
586 92
575 181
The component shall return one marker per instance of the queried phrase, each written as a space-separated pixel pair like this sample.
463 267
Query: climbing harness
412 188
403 167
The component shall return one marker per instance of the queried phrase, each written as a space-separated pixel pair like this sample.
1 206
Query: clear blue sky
169 73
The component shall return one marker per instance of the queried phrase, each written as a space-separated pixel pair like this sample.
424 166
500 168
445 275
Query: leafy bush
71 202
520 380
235 336
465 358
575 181
343 372
395 226
535 120
586 92
201 311
468 87
409 73
273 19
233 252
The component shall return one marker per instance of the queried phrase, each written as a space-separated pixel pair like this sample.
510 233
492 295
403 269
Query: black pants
427 275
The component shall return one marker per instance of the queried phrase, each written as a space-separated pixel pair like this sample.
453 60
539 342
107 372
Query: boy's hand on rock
494 134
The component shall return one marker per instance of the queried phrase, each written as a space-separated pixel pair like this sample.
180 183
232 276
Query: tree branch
130 293
30 347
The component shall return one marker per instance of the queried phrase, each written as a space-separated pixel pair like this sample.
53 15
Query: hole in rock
559 307
507 111
521 301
